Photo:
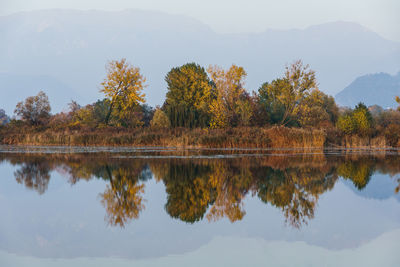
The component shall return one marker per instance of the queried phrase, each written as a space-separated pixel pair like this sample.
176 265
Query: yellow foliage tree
123 197
229 86
292 89
312 111
123 86
160 120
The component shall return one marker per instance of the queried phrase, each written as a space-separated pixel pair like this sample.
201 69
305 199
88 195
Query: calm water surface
166 207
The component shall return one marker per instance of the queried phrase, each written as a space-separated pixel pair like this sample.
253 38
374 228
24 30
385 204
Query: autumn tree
398 101
359 121
231 106
123 87
317 109
358 172
35 110
189 95
160 120
271 109
283 96
189 192
123 197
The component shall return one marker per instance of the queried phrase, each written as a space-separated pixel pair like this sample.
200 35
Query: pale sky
381 16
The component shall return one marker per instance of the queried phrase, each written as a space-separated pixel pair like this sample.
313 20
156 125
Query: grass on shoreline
178 137
245 137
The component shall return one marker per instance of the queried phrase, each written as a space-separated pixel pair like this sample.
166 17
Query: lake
198 207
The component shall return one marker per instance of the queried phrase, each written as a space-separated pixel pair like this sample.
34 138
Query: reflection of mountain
379 187
215 189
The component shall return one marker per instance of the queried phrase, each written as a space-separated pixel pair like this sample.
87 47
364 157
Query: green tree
270 107
189 95
35 110
283 96
123 87
100 111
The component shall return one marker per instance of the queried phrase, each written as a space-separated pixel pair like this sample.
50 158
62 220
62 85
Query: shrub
160 120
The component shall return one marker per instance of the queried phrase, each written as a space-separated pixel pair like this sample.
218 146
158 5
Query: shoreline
182 138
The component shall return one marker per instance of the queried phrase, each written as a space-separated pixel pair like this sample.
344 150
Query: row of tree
214 98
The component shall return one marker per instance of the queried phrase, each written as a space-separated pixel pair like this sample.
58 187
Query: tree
123 197
346 124
359 121
147 114
35 110
362 119
317 109
34 174
160 120
189 95
123 88
3 117
74 107
398 101
230 107
286 94
270 107
84 116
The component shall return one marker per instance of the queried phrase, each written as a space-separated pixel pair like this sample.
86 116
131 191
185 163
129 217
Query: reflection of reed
207 187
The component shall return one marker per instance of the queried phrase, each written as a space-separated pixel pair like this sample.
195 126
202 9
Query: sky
231 16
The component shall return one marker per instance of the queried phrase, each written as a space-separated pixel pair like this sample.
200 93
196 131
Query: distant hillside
73 47
371 89
15 88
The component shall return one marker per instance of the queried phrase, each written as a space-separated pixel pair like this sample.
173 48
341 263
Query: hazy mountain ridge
73 47
17 87
380 88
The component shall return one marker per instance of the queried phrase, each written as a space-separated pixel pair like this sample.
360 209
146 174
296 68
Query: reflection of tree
231 185
295 191
122 198
359 172
34 175
212 187
189 191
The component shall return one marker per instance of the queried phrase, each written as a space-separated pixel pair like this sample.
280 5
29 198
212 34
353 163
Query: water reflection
208 188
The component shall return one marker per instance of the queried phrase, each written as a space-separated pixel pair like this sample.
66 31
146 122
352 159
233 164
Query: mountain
16 87
379 88
73 47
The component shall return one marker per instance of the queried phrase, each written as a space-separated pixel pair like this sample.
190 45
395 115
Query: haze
225 16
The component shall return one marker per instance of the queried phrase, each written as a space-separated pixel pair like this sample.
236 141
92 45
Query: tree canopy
123 87
231 106
189 94
35 110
